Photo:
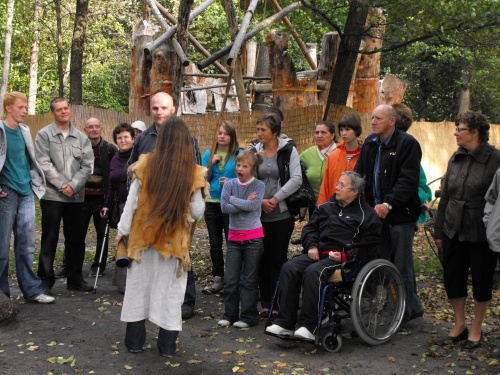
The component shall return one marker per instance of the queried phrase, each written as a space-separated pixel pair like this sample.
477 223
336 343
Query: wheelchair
371 293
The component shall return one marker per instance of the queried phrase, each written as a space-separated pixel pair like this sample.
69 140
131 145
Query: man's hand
67 190
268 205
335 255
3 194
313 253
381 210
104 212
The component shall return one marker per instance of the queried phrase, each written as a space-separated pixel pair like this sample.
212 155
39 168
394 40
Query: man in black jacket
96 190
390 163
345 218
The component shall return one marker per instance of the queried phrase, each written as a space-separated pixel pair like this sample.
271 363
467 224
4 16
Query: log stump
289 92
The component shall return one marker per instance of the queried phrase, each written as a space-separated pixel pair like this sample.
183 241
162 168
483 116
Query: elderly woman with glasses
460 231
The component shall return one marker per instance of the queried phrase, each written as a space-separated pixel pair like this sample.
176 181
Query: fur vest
174 244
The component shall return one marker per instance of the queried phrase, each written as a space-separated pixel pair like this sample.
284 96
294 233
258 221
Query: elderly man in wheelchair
328 239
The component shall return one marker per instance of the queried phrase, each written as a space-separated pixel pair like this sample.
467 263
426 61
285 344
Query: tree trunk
237 73
140 70
77 48
464 101
348 53
6 58
35 47
289 92
60 72
182 36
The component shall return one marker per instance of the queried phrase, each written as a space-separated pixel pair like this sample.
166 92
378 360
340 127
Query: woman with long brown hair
166 198
221 161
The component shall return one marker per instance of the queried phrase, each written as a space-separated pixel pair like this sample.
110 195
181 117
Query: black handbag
114 214
303 197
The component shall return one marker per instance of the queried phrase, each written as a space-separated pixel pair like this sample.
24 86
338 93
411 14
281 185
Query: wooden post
310 60
164 68
237 73
329 49
366 84
251 55
197 45
392 90
140 69
238 38
288 91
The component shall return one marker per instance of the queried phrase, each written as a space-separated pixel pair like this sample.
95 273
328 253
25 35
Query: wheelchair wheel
378 302
331 344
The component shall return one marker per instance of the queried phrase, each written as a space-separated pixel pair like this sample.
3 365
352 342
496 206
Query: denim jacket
64 161
38 184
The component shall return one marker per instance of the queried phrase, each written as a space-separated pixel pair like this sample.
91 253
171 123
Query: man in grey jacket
66 157
20 177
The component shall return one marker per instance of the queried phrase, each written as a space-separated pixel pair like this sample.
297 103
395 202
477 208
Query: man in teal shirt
20 177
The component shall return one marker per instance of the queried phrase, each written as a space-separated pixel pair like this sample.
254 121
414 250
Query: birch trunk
6 59
35 47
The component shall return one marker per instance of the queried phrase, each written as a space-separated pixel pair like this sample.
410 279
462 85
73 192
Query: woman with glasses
460 230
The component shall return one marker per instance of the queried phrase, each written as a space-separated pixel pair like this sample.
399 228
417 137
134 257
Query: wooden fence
436 139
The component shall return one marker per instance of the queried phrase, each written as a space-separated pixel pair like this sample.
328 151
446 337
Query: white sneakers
304 333
224 323
277 330
43 298
238 324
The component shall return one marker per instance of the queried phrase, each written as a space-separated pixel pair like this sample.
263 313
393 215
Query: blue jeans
396 246
239 252
17 214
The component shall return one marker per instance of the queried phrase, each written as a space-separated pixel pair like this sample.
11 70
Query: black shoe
474 344
82 286
417 315
187 312
454 339
60 273
101 273
46 290
135 351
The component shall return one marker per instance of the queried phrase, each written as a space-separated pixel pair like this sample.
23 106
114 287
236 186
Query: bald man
390 163
162 107
96 190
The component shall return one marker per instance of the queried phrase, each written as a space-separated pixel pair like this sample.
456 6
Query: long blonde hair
170 183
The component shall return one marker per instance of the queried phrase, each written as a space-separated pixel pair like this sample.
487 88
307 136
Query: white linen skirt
153 292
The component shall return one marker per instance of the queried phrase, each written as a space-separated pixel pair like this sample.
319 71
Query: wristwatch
387 205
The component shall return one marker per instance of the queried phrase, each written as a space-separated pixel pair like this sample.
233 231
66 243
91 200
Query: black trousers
135 337
276 239
218 229
74 242
91 209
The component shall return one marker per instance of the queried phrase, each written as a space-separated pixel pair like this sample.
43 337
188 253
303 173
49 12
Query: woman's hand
313 253
216 158
104 212
118 238
335 255
222 181
268 205
252 196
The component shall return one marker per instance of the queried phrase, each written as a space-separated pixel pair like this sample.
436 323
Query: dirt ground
82 333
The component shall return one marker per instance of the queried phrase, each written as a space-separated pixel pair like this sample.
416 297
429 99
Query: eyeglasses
97 127
342 186
461 129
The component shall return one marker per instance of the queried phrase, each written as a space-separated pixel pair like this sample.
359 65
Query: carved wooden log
350 97
329 49
251 55
305 50
288 91
163 70
366 85
140 70
392 90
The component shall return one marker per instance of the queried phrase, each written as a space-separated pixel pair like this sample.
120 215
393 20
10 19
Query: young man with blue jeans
20 177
